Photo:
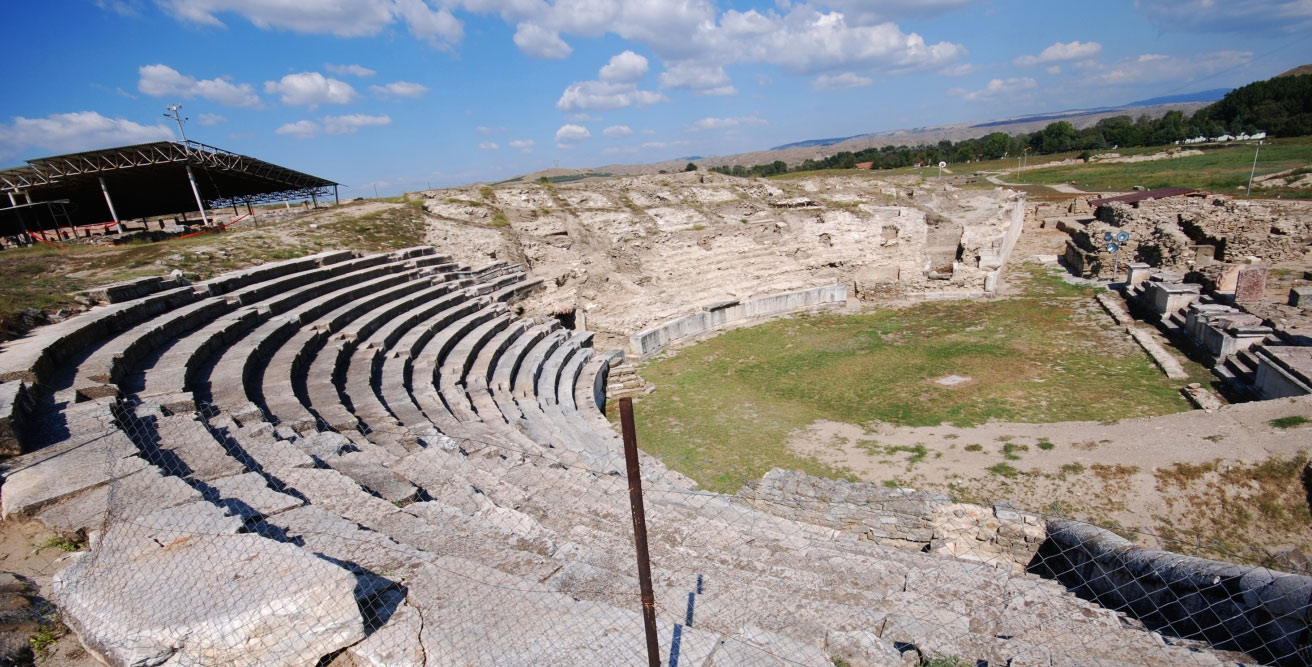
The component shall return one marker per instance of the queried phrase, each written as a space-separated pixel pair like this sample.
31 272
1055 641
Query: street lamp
1114 243
173 109
1249 193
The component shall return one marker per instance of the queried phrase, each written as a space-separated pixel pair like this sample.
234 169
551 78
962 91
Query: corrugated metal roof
1133 197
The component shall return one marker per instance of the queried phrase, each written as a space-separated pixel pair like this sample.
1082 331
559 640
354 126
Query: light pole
1249 193
1114 243
174 109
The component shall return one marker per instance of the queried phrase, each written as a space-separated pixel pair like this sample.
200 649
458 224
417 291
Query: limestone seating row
483 538
171 370
32 359
283 382
324 313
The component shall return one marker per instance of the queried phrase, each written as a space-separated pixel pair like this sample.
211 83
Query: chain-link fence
407 473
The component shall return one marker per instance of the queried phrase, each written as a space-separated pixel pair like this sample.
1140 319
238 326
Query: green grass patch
1289 422
725 407
1225 169
1045 444
61 543
1003 470
1072 468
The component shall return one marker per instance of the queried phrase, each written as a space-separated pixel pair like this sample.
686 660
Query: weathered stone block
134 601
1301 296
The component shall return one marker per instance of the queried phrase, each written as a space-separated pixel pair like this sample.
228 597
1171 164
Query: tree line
1280 107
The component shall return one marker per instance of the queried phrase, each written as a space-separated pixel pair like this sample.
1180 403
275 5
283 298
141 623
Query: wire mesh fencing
343 460
219 541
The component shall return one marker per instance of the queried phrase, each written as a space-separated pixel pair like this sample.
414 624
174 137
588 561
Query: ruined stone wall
1253 609
631 253
1164 232
904 518
649 341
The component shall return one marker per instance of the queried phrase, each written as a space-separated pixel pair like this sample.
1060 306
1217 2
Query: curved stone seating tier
422 385
358 372
479 378
240 366
389 367
169 370
286 376
31 359
451 375
398 371
394 469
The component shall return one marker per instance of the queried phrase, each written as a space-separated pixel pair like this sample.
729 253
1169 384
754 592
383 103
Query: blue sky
404 94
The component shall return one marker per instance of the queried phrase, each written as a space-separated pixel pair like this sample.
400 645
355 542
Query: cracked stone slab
135 603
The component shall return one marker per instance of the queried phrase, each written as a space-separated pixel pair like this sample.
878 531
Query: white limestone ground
1233 434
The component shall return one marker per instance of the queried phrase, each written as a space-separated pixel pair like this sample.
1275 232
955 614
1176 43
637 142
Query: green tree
997 145
690 167
1057 137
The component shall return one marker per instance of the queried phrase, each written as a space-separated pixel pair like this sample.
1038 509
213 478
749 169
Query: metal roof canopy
151 179
1145 195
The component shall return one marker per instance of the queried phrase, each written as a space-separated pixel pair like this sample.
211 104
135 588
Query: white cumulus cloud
702 78
618 131
400 89
616 87
488 145
161 80
624 67
303 129
570 134
525 145
996 87
349 123
712 123
350 70
1060 52
310 89
828 82
344 18
344 124
211 119
76 131
538 42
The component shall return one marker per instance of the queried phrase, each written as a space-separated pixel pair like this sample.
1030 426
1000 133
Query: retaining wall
649 341
1234 607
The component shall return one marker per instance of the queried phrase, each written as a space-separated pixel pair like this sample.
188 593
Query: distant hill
814 142
1280 106
1301 69
1200 96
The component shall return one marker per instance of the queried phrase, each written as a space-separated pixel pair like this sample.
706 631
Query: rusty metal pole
640 531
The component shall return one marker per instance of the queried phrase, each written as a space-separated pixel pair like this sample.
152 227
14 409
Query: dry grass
44 278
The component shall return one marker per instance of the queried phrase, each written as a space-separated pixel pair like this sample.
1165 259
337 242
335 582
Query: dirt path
27 550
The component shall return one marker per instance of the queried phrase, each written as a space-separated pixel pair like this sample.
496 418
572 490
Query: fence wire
474 511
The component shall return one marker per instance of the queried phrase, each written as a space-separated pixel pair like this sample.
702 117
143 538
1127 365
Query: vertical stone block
1250 284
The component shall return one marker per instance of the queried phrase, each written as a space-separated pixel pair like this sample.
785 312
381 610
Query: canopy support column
337 201
110 202
196 191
